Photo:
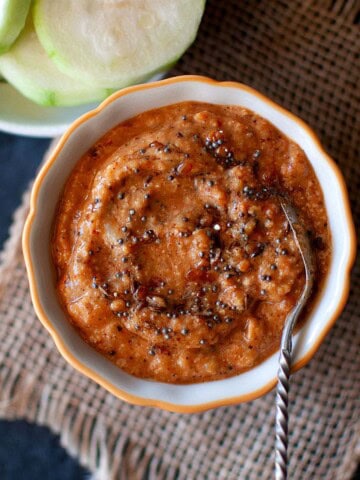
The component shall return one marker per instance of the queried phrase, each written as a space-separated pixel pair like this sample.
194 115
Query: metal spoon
282 391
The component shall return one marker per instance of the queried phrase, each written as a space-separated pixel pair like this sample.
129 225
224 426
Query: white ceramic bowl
49 185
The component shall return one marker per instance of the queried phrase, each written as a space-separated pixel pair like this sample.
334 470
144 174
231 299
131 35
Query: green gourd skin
118 43
75 52
28 68
13 15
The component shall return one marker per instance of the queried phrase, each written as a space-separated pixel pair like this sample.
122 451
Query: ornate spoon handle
282 392
281 420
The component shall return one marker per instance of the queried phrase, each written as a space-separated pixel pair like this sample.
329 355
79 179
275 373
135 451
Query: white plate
21 116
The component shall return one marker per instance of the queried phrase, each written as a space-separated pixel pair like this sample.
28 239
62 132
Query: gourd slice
29 69
114 43
13 15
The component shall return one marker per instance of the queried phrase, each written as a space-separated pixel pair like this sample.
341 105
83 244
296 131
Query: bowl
37 233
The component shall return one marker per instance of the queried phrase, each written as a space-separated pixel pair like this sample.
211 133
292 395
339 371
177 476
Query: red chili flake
184 168
197 275
141 293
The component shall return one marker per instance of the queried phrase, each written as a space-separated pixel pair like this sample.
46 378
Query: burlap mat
303 54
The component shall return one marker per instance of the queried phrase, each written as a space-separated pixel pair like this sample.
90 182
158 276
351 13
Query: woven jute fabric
304 55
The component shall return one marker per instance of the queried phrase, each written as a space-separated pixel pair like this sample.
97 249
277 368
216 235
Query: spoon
281 420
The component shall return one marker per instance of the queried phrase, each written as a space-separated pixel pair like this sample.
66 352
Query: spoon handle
281 420
282 392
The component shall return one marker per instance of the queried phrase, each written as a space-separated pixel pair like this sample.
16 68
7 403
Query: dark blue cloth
30 452
19 160
27 452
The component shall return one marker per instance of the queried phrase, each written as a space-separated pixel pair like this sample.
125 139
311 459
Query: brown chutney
173 256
